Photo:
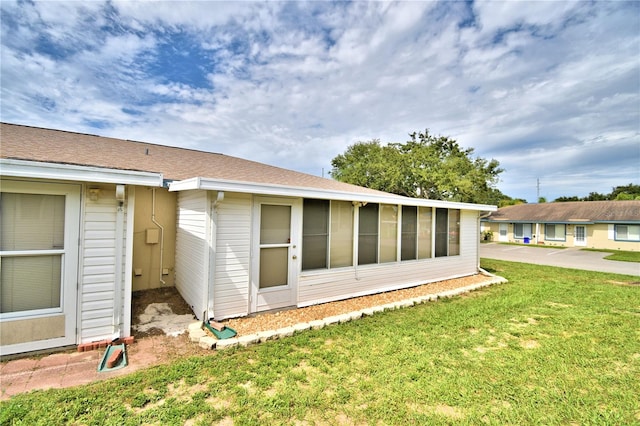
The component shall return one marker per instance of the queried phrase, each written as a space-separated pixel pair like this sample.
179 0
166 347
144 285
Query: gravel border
277 325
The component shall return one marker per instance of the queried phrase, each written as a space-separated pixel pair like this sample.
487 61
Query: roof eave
69 172
317 193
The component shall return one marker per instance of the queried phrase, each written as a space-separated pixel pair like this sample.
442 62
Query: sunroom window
327 234
368 234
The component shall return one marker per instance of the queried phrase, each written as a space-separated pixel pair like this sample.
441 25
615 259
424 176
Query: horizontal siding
233 249
319 287
191 248
97 293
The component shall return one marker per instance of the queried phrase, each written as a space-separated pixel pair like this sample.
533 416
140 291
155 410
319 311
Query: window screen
454 232
442 225
388 233
368 235
424 232
341 250
409 232
315 234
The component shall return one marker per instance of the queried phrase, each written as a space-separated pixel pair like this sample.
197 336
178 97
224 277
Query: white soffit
40 170
317 193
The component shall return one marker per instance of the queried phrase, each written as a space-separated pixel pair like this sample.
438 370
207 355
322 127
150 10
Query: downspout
155 222
213 241
119 241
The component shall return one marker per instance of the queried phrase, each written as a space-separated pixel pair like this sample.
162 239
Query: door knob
294 257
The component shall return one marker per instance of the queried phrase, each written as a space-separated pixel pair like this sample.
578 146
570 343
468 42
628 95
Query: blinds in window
33 223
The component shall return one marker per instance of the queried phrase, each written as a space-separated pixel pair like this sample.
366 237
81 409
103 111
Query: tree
624 192
426 166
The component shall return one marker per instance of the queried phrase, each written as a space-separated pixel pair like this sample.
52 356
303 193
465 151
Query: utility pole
538 189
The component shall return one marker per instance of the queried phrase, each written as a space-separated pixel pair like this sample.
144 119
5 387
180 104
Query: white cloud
547 88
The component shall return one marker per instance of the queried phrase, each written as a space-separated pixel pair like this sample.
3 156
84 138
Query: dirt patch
624 282
140 301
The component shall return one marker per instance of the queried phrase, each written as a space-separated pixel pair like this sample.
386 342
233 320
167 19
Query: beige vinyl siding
98 296
233 249
324 286
191 249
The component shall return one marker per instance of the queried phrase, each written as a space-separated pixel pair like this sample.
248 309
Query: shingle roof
578 211
56 146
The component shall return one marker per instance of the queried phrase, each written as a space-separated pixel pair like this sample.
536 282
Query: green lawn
552 346
620 255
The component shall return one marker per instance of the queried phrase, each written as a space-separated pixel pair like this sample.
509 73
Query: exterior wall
600 235
323 286
192 254
232 256
97 299
146 255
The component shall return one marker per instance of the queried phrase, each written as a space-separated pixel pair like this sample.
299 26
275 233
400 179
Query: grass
553 346
620 255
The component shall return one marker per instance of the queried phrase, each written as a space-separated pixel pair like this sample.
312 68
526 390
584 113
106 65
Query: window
31 223
442 227
627 232
341 234
409 232
522 230
555 232
327 233
416 233
315 234
424 232
368 234
388 233
447 232
454 232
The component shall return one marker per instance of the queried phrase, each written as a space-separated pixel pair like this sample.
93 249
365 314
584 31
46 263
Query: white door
580 235
38 265
275 255
503 229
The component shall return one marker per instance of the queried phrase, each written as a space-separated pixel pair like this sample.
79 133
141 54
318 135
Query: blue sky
549 89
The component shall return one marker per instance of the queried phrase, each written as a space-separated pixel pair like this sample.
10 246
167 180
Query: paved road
565 258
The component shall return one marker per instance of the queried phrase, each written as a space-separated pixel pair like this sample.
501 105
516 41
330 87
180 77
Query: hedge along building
83 216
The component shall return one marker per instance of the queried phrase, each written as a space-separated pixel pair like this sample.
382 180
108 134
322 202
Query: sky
550 89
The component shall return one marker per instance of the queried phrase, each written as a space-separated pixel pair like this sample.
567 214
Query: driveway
564 258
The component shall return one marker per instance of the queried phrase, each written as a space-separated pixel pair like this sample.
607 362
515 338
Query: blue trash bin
526 240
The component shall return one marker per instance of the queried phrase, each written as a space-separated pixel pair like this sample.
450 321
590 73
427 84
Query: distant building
595 224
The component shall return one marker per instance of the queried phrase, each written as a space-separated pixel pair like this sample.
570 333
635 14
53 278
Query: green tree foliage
624 192
426 166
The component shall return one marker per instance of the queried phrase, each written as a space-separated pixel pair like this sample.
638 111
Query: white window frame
523 235
69 254
555 237
635 232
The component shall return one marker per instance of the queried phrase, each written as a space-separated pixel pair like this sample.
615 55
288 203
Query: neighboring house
594 224
86 220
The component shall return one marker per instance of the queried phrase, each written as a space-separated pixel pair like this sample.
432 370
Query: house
87 220
595 224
